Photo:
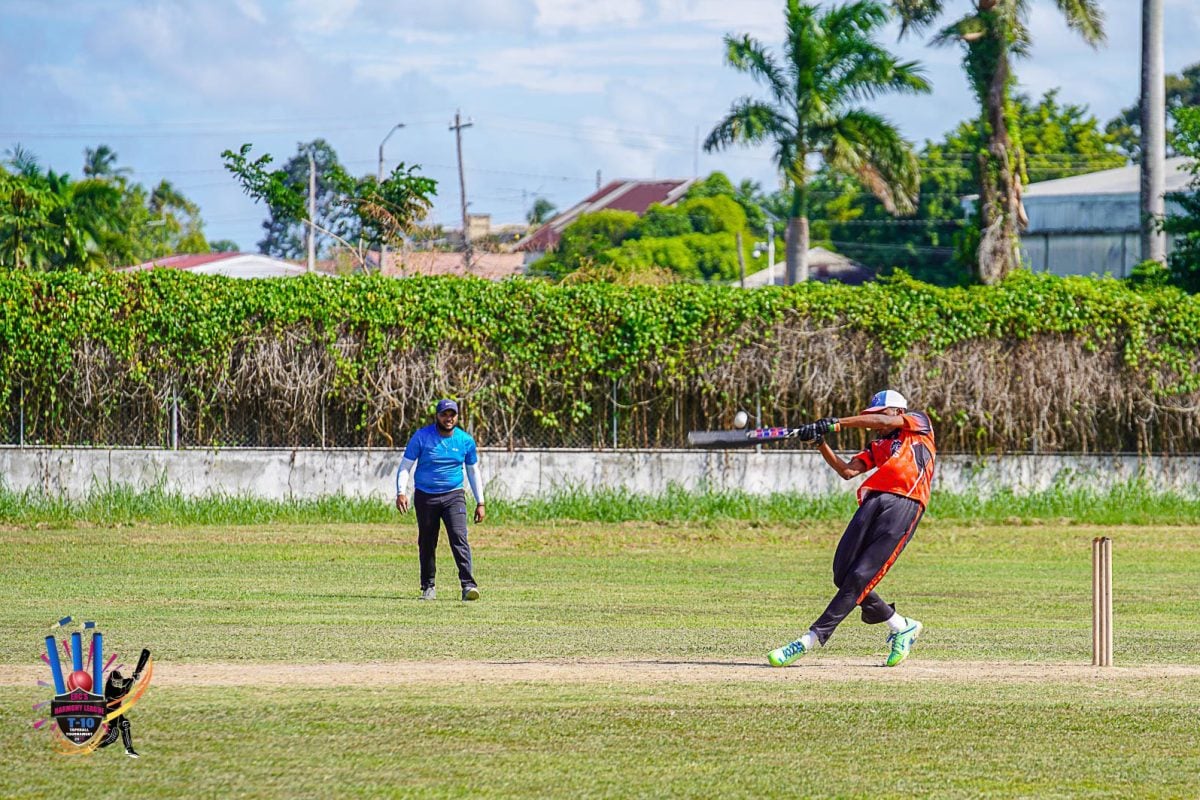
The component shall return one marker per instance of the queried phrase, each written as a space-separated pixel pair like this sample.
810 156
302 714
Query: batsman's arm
872 422
846 469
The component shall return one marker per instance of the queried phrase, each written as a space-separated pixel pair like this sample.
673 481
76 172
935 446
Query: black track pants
432 510
122 727
872 542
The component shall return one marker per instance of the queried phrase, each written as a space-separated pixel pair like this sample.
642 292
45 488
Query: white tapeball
740 419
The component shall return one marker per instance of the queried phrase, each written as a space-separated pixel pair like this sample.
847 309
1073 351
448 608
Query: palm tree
101 162
88 217
48 221
541 210
831 61
992 33
23 161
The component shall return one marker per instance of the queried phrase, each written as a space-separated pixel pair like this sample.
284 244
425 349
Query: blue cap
888 398
447 405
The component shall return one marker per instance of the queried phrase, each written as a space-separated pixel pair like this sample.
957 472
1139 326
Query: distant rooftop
1122 180
492 266
622 195
823 265
233 265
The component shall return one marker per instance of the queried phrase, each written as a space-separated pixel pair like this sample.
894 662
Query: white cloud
588 66
209 53
393 66
322 16
586 14
251 10
458 17
760 18
419 37
119 98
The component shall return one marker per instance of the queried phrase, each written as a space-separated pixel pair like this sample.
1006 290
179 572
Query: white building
1090 224
232 265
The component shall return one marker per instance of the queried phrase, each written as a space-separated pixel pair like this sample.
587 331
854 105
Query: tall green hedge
1035 363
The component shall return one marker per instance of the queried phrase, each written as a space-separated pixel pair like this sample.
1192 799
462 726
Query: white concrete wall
282 474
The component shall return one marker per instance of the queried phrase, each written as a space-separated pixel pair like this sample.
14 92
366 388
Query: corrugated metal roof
1122 180
233 265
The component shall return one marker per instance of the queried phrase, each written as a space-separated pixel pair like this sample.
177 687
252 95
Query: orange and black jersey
902 460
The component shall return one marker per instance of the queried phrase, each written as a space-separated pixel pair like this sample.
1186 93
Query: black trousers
433 510
119 727
872 542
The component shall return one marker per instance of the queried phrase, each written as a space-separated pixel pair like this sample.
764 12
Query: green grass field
629 662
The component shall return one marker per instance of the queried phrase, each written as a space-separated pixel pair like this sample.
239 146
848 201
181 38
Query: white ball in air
740 419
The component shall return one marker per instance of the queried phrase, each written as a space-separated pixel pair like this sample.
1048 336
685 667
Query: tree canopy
1184 226
356 213
938 244
992 35
1182 91
49 221
695 239
830 63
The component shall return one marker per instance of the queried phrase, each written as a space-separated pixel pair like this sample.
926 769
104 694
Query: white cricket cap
886 399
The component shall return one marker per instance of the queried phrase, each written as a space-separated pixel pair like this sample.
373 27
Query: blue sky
557 89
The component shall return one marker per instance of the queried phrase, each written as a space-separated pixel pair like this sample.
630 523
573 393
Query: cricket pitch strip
626 671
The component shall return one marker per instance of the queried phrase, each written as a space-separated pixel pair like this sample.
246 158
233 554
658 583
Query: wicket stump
1102 616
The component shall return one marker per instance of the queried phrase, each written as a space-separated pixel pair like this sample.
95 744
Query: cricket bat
750 438
141 665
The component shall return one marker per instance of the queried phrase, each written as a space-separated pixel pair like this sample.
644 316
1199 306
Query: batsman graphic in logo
88 710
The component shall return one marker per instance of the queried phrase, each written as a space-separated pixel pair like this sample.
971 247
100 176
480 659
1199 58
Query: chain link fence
613 422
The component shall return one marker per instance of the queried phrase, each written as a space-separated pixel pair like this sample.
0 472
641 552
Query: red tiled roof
492 266
627 195
641 195
186 261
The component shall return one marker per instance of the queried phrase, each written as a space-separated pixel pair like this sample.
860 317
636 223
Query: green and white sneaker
903 641
787 654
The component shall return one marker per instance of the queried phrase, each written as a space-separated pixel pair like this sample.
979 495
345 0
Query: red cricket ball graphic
80 679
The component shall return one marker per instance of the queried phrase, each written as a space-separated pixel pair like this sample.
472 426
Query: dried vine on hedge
1034 363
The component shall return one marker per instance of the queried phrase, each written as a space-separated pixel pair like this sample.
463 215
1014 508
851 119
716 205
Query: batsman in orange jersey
890 504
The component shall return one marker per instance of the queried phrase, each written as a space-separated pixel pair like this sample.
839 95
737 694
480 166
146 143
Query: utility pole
1154 122
312 212
383 242
457 127
770 253
597 179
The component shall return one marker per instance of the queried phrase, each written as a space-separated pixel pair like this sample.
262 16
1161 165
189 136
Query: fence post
322 423
758 414
614 413
21 417
174 419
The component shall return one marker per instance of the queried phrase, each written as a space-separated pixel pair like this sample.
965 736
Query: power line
886 221
898 246
100 127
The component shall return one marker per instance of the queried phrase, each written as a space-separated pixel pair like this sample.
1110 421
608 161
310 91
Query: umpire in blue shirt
440 452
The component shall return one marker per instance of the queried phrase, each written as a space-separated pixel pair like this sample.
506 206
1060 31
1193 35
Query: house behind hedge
1090 224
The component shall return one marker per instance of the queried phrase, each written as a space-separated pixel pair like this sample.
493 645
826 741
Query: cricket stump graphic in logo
88 710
